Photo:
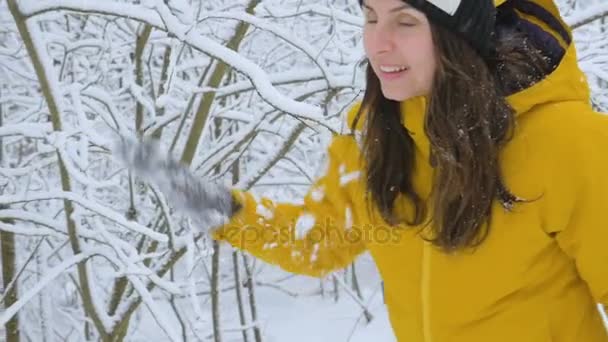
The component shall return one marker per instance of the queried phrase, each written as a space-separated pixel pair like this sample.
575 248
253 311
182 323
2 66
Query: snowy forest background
244 91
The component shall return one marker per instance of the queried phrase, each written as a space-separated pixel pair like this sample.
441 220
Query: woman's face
399 45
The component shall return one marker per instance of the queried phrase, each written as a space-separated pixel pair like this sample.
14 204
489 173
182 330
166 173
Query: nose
381 39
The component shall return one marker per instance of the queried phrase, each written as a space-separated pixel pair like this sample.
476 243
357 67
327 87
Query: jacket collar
566 83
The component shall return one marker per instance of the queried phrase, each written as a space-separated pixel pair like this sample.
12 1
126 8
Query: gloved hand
208 203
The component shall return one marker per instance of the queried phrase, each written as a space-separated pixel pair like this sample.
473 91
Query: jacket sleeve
583 202
314 238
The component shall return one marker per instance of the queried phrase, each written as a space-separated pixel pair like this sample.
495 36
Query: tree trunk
355 282
251 288
215 293
336 289
239 294
7 241
7 248
140 44
44 299
51 102
202 113
322 286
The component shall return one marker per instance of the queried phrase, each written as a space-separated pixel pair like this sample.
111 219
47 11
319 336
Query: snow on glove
209 204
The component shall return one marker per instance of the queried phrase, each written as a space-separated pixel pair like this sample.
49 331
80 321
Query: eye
370 19
408 20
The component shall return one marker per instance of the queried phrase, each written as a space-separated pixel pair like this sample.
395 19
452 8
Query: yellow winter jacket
537 277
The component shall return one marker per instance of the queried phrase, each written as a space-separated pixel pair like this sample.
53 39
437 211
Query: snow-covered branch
588 15
162 18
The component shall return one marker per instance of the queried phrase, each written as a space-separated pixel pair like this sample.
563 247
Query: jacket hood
541 20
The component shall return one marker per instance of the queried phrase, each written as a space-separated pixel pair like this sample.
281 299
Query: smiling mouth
392 69
391 72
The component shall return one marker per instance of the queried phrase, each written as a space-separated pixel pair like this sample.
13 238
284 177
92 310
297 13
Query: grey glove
208 203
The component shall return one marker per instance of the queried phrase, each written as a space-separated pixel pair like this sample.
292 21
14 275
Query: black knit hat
472 19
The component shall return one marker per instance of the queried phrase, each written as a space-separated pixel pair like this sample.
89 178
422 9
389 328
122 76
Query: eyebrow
396 9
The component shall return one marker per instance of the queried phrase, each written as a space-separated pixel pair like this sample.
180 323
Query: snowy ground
307 317
318 319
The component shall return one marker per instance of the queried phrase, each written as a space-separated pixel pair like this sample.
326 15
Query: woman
470 177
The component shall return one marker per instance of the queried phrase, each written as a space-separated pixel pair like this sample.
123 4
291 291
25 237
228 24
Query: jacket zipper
425 291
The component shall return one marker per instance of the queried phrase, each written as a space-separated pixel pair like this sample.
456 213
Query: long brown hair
466 135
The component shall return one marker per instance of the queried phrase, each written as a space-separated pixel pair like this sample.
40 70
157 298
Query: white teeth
392 68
